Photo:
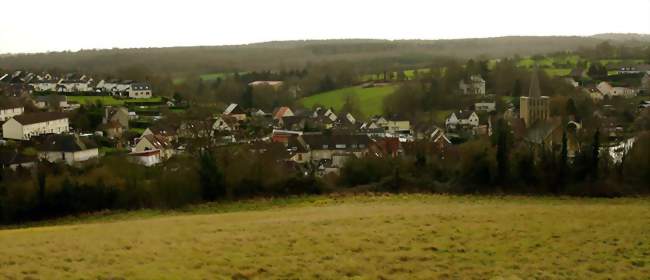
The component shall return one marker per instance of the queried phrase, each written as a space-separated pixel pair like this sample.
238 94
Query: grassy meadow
370 99
355 237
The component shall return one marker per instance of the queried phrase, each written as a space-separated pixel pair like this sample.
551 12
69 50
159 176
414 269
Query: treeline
113 183
503 166
376 54
297 83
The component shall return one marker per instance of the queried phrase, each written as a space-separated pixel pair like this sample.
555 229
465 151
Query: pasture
355 237
370 99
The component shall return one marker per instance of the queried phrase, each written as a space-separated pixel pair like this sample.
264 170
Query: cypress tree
563 159
502 152
595 155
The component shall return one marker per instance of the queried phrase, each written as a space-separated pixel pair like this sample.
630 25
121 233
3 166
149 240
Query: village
36 116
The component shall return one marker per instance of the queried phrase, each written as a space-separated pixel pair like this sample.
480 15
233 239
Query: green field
370 99
109 100
358 237
208 77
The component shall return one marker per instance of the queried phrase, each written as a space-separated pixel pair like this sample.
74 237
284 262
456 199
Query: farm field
208 77
109 100
355 237
370 99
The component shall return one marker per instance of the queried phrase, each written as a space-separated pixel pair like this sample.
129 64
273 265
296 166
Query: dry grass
397 237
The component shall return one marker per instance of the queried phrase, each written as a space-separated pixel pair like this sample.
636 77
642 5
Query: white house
74 86
151 142
462 119
273 84
608 90
139 90
475 85
23 127
70 149
45 85
225 123
235 111
10 111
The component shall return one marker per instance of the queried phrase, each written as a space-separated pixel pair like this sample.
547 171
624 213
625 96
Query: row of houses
27 82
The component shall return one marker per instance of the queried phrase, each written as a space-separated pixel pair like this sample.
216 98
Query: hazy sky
45 25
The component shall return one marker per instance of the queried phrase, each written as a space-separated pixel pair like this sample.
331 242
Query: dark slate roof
158 141
318 141
292 120
38 117
140 86
66 143
51 98
10 104
464 114
541 130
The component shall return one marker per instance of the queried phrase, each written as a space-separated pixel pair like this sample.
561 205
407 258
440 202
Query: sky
45 25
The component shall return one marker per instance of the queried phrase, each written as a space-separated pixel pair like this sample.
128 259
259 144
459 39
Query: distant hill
623 37
373 54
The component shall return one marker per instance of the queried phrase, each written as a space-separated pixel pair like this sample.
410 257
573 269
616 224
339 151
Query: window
340 146
325 146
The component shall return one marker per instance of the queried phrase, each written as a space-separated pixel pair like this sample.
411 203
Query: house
608 90
635 69
474 85
274 84
322 113
168 132
119 115
13 159
114 86
8 111
400 128
485 106
317 147
281 112
295 123
225 123
23 127
67 148
48 85
139 90
74 85
152 142
462 120
52 102
235 111
386 147
113 129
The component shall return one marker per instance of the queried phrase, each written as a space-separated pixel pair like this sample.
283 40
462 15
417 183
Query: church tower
534 107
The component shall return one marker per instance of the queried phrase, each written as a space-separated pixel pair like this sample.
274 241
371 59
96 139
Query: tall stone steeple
534 90
534 107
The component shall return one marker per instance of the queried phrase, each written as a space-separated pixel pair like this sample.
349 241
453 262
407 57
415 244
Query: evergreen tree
571 109
211 178
563 160
247 97
595 155
502 152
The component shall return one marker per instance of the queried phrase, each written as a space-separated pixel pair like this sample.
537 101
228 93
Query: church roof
534 90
